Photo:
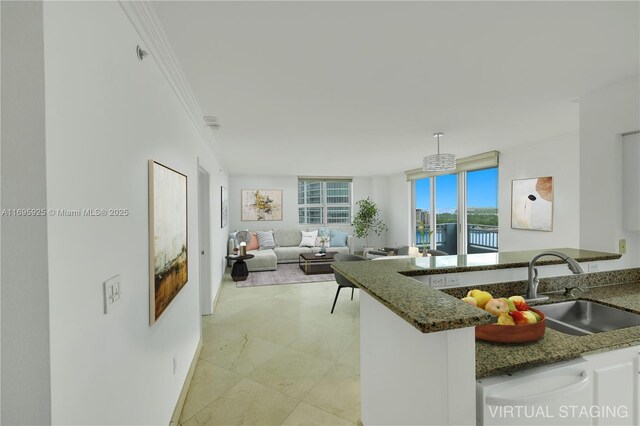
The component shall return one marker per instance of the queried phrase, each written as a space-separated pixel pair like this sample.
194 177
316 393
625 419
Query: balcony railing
483 238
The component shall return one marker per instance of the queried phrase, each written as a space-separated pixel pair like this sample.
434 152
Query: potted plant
367 222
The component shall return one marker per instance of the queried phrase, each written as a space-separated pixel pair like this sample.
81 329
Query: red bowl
512 333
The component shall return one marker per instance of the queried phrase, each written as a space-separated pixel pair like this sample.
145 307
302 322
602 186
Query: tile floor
275 355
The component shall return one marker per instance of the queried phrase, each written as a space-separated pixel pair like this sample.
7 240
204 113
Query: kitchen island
419 358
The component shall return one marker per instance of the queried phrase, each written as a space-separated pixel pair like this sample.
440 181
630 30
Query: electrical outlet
438 281
452 280
593 267
622 246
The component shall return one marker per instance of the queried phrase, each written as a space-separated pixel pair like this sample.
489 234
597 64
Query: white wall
107 114
398 210
363 187
631 182
604 115
555 157
376 187
24 281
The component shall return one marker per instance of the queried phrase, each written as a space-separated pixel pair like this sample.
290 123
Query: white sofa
287 250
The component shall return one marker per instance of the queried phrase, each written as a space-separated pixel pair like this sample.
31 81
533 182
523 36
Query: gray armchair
340 279
389 251
437 253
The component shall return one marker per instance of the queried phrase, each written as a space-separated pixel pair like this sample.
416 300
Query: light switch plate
111 293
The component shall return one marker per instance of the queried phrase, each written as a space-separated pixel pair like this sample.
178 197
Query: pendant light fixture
439 162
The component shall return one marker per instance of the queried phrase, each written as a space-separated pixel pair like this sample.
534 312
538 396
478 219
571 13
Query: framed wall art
168 245
261 204
224 207
532 204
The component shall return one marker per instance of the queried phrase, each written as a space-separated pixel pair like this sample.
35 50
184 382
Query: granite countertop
499 358
427 309
500 260
430 310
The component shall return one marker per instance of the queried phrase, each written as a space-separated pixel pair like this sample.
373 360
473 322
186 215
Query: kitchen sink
581 317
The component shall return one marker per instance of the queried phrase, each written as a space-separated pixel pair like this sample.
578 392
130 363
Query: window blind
475 162
326 178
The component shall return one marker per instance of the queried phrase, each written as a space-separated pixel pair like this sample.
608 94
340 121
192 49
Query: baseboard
177 412
215 298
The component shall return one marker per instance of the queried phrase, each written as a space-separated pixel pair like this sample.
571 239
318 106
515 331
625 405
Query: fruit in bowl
516 322
519 303
470 300
515 306
523 317
497 307
505 319
512 306
482 297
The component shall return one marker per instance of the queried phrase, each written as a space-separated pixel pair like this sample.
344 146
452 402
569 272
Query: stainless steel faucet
532 291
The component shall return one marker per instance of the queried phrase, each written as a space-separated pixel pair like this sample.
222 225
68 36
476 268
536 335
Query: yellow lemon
482 297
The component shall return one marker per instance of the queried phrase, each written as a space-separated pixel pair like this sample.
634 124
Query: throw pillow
327 241
338 238
265 239
253 244
308 238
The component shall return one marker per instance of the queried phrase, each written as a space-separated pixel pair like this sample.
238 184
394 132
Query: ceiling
358 88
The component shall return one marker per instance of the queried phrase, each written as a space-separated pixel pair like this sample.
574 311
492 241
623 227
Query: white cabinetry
600 389
616 386
538 396
631 182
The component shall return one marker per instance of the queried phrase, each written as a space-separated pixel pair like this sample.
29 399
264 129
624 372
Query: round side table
239 272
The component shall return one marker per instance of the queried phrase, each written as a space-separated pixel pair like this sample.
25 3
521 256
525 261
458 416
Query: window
465 199
482 211
458 211
446 213
423 210
324 201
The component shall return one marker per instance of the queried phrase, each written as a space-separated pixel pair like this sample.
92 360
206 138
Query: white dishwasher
551 395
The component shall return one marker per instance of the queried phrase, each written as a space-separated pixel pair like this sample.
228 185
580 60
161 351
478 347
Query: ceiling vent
211 121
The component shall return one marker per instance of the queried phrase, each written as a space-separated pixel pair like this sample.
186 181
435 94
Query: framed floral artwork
261 204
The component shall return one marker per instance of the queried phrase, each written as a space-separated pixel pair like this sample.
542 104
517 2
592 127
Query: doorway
204 242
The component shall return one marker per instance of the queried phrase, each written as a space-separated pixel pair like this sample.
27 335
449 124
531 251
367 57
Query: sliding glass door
446 195
461 209
482 211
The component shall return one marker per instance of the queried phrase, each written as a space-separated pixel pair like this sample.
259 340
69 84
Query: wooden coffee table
312 264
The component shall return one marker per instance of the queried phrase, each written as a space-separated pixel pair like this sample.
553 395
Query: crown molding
146 23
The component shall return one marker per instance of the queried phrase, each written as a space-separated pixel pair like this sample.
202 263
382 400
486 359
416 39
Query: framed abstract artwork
261 204
224 207
168 245
532 204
